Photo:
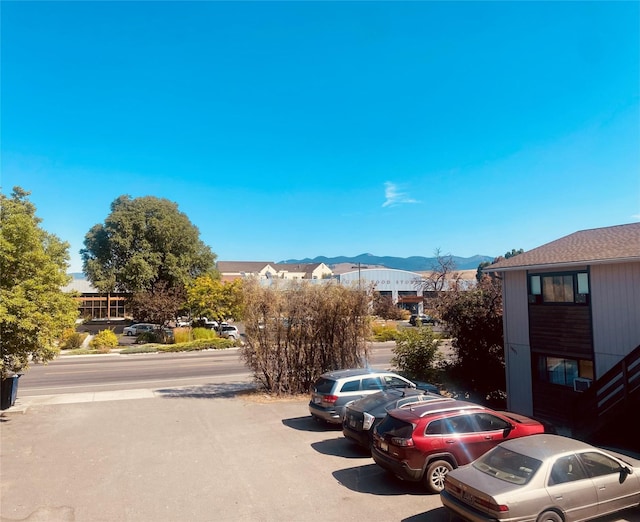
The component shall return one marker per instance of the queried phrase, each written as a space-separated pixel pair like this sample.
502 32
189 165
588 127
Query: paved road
120 372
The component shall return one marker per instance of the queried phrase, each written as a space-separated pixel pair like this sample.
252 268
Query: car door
571 489
491 430
615 489
462 438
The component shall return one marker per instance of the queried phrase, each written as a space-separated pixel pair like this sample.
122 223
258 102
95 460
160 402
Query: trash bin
8 391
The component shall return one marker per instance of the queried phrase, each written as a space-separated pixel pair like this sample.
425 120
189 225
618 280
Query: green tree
34 311
416 353
146 246
207 296
485 264
474 321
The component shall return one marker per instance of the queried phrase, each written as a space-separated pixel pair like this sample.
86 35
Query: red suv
424 442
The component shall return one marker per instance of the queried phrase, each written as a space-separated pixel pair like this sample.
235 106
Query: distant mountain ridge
412 264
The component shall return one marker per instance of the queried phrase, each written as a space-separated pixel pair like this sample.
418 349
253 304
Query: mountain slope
413 263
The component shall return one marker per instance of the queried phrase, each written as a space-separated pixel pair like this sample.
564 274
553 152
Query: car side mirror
624 471
507 430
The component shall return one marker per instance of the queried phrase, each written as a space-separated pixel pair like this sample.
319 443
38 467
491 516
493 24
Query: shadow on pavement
205 391
435 515
307 423
340 447
372 479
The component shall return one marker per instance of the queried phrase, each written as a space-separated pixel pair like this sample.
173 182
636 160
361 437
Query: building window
563 371
567 288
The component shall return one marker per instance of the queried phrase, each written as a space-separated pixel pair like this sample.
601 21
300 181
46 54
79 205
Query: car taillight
368 421
329 399
492 506
449 486
400 441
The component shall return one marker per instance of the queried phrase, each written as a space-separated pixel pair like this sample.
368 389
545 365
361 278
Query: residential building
572 326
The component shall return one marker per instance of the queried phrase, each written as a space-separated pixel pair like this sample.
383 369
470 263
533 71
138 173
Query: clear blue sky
296 129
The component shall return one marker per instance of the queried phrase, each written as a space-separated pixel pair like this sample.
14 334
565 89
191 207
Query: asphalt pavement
212 452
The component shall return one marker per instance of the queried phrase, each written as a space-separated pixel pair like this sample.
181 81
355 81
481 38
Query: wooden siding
516 343
615 295
553 403
561 330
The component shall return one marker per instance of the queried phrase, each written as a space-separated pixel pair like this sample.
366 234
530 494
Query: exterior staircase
607 413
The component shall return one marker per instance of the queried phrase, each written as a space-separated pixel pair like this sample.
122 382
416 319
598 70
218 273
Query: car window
409 400
350 386
435 427
598 464
489 422
372 383
459 424
323 385
566 469
394 382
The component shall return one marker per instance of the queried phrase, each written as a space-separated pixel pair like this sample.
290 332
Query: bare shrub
294 333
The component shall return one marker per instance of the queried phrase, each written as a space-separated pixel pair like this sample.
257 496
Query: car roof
424 409
353 372
545 445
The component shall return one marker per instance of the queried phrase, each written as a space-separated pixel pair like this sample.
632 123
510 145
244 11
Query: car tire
550 516
434 476
129 334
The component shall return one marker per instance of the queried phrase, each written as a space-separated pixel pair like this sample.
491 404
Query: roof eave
565 264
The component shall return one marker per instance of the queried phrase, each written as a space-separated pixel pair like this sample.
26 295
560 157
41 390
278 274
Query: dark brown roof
242 266
599 245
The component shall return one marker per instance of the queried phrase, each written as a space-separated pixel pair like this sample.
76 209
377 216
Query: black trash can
8 391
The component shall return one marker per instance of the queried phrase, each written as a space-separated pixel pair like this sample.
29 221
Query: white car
138 328
229 331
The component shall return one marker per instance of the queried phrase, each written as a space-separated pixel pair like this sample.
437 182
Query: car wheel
129 334
434 477
550 516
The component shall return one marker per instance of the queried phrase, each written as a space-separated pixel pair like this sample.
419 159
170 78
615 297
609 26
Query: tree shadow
374 480
206 391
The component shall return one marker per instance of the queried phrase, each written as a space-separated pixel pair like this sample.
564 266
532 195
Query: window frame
580 282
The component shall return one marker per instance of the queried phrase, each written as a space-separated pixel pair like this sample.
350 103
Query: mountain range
412 264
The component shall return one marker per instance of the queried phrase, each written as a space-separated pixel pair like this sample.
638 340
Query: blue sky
296 129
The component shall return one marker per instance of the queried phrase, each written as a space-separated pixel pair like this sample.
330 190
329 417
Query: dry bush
296 332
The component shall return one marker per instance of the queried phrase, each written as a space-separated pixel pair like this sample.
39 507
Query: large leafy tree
34 311
146 246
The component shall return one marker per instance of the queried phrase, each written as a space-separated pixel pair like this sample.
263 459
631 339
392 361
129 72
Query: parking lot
197 453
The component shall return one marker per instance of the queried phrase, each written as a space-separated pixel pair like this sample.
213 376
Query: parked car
138 328
548 478
422 318
229 331
204 322
333 390
363 415
424 442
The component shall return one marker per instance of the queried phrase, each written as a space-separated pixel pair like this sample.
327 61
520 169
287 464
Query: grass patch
382 333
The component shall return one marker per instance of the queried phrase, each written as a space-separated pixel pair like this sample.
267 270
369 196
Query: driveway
208 452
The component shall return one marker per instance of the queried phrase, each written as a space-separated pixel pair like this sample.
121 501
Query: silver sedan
543 478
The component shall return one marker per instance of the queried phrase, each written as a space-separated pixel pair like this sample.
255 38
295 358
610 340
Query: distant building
93 304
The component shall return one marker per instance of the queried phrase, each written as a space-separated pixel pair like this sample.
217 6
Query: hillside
413 263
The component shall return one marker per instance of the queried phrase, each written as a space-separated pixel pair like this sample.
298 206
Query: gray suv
334 390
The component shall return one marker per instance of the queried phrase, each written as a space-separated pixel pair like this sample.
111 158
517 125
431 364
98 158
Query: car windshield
508 465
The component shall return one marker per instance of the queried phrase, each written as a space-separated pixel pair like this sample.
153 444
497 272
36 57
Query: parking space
188 455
